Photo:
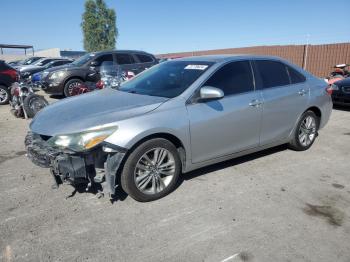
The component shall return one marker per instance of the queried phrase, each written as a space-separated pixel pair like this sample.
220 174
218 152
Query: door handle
255 103
302 92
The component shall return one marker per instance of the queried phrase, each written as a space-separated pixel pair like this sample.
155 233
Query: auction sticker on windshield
196 67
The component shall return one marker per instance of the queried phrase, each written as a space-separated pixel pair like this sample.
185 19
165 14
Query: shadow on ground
120 195
236 161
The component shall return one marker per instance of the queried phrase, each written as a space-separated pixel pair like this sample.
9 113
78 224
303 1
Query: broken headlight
82 141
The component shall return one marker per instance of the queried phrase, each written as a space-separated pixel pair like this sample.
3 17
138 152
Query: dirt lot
278 205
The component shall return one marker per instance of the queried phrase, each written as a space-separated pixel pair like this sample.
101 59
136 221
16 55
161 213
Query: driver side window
103 59
233 78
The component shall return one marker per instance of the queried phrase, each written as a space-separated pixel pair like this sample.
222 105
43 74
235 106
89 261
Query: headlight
44 74
57 74
82 141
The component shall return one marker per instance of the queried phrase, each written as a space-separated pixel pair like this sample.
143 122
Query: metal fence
317 59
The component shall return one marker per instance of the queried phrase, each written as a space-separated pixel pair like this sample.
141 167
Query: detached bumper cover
75 168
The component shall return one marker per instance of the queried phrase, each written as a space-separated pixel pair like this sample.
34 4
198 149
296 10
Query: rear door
285 97
231 124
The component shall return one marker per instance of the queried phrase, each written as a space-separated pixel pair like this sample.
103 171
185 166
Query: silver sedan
175 117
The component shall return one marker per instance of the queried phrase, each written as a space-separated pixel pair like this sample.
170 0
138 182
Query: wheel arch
168 136
71 78
316 110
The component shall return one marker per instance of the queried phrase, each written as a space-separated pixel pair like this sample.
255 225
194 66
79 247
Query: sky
164 26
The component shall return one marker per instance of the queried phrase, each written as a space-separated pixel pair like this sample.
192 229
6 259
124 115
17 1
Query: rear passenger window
125 59
233 78
295 76
272 73
144 58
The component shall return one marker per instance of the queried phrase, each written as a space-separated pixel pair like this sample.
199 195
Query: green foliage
99 26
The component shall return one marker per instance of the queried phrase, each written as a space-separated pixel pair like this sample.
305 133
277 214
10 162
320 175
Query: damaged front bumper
95 168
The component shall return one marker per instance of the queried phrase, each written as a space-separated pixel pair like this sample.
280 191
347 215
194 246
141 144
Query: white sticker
196 67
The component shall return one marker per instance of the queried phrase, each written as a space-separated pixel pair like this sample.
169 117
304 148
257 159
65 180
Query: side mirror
210 93
94 63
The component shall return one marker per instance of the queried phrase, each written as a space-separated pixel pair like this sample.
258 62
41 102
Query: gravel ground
276 205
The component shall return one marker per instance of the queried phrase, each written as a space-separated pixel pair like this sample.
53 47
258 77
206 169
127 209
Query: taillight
100 84
331 88
11 73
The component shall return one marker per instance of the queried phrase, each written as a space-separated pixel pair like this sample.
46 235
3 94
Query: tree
99 26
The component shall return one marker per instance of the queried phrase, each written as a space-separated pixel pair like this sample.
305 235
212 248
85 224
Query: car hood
32 69
63 67
27 67
79 113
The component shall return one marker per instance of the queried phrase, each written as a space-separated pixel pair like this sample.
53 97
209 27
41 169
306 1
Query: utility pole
306 51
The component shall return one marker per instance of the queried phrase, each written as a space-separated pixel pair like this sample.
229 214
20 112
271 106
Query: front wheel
33 103
151 170
4 95
70 87
305 132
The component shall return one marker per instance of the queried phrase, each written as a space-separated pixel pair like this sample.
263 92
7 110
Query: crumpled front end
96 168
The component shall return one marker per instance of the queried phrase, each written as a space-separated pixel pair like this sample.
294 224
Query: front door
228 125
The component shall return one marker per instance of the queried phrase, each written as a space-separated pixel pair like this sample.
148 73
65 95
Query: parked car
14 63
27 61
27 72
339 73
40 62
8 76
62 80
176 117
341 92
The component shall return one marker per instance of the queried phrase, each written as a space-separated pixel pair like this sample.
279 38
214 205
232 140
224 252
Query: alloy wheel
3 95
154 171
72 86
307 131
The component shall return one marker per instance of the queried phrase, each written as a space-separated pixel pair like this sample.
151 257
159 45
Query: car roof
224 58
120 51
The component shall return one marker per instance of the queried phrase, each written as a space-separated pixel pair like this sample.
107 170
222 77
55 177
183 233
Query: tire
68 87
302 129
163 178
33 103
5 95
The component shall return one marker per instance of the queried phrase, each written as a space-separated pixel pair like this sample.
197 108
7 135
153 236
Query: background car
8 76
27 72
39 62
341 92
27 61
62 80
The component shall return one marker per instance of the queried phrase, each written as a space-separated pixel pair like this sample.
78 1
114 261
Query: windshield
168 79
30 60
83 60
48 65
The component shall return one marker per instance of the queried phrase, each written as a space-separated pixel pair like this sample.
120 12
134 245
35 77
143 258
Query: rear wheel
151 170
305 132
70 86
4 95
